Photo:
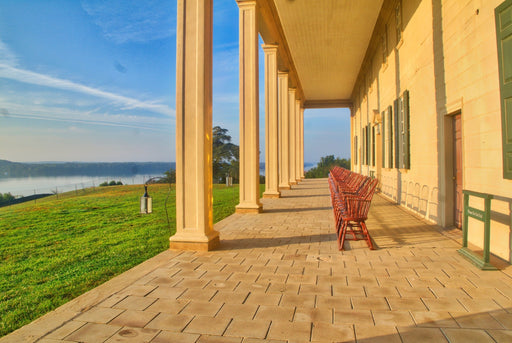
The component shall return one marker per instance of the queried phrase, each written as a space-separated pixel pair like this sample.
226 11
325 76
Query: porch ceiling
327 41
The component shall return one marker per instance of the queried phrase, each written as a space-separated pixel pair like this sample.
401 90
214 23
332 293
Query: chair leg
341 236
367 236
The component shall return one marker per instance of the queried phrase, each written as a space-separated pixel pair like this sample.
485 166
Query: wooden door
457 169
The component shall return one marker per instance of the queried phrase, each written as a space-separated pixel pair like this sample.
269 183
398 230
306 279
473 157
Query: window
384 42
503 15
398 21
402 136
363 145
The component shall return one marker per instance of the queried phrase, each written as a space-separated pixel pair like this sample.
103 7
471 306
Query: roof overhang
322 44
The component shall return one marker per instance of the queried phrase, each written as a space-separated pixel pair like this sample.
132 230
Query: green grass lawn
53 250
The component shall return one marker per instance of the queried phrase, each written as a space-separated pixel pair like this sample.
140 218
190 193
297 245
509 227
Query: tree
225 155
325 164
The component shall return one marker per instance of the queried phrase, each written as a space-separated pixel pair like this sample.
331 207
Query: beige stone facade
444 53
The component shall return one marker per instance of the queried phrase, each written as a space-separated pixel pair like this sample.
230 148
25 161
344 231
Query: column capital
246 3
283 72
269 47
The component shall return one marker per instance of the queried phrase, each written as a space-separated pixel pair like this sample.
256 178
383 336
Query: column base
293 183
195 243
271 195
246 208
299 180
284 188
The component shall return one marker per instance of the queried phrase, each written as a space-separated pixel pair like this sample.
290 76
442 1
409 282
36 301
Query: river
25 186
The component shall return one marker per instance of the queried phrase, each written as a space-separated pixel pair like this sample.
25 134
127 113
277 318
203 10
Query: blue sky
94 80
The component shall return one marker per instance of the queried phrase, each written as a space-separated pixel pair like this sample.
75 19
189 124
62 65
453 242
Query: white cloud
13 73
133 20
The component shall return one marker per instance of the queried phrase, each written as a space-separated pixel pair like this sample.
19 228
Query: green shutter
390 124
373 145
406 144
368 145
503 15
383 136
363 146
397 133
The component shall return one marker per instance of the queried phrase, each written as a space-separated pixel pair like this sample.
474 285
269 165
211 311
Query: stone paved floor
279 277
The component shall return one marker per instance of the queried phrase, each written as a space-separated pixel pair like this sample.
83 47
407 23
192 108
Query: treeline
17 169
325 164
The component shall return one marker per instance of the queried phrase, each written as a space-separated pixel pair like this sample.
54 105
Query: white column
249 116
297 141
284 132
293 134
271 123
302 176
194 219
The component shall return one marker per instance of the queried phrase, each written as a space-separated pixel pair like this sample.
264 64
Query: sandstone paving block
407 304
476 321
170 306
240 311
170 322
503 317
289 330
66 330
444 304
359 317
352 291
167 292
248 328
275 312
272 278
218 339
132 318
217 275
501 336
263 299
140 290
257 340
297 300
423 335
415 292
222 285
198 294
100 315
383 291
111 300
325 332
134 302
282 288
376 334
445 292
338 302
168 336
201 308
392 318
370 303
134 335
192 283
253 287
246 277
93 333
480 305
467 335
434 319
208 325
301 279
230 297
313 315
